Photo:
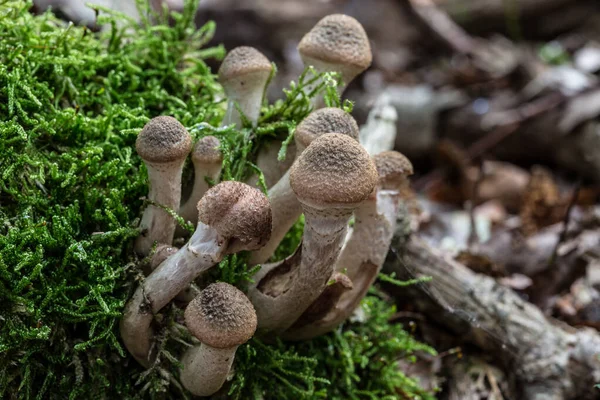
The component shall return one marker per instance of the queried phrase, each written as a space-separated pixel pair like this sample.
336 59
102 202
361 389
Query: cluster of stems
331 179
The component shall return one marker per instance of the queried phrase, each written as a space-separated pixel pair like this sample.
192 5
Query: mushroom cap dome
238 212
338 39
393 168
163 139
241 61
207 151
221 316
325 120
334 170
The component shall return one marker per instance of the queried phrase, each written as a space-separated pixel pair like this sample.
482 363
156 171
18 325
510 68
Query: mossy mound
71 194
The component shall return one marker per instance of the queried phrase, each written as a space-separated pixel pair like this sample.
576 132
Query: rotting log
547 359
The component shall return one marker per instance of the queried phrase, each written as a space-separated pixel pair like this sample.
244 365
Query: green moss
71 194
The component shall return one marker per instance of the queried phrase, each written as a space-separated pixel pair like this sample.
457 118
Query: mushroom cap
207 151
338 39
325 120
243 61
393 168
335 170
238 212
221 316
162 140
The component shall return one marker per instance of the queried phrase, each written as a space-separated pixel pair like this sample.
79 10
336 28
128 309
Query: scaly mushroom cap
335 170
325 120
221 316
238 212
244 61
163 140
206 151
338 39
393 168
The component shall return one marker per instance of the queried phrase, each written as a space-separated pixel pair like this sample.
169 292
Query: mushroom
244 75
330 178
232 217
208 160
285 206
270 165
337 43
364 252
163 144
379 133
221 317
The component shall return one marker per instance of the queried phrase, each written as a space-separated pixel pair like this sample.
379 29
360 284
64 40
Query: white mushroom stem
268 162
165 189
205 368
188 210
286 210
379 133
204 249
287 291
361 259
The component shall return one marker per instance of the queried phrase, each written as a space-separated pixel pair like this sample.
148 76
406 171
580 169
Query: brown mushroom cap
207 151
393 168
325 120
239 212
221 316
163 140
338 39
335 170
243 61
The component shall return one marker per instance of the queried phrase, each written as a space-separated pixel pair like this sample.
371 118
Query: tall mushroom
163 144
285 206
244 75
208 160
330 178
232 217
221 318
364 253
337 43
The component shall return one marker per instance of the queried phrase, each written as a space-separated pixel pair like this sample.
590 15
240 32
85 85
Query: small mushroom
330 178
232 217
208 160
244 75
163 144
337 43
222 318
379 133
364 252
285 206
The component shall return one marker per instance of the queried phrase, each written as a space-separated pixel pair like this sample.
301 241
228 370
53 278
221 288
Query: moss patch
71 194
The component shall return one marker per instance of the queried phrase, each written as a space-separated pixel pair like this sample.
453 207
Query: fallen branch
547 360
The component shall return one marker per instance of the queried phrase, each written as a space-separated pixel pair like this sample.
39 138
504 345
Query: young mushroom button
332 177
337 43
222 318
244 75
163 144
284 204
208 160
232 217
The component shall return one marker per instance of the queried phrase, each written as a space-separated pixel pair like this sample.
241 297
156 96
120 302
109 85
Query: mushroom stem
163 144
331 178
379 133
284 204
244 74
232 217
205 368
268 162
208 160
204 249
365 251
221 317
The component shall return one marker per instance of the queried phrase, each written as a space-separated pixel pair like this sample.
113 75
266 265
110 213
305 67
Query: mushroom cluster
331 179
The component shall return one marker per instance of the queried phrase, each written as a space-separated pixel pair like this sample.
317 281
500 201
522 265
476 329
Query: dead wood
546 359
